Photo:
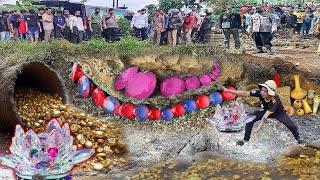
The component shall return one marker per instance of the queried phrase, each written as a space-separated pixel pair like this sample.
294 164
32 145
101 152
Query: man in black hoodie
230 23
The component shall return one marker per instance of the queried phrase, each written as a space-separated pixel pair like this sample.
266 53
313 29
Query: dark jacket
4 23
289 21
174 22
206 24
233 18
166 21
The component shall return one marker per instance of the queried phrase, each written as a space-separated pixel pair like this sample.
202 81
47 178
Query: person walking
78 29
262 26
157 27
95 25
164 33
299 15
174 24
272 108
4 26
316 18
205 28
139 24
307 21
229 24
188 24
289 22
47 24
41 30
68 17
247 18
22 28
60 25
34 27
14 24
110 26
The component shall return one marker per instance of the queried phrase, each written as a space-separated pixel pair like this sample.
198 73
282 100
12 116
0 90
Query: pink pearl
53 152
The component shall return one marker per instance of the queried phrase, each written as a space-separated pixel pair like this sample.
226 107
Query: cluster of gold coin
302 166
36 108
219 168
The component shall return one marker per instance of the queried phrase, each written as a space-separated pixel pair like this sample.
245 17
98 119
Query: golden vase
297 104
316 102
311 94
298 92
306 106
300 112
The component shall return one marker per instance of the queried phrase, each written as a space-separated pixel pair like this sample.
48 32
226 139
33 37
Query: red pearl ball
127 110
178 110
154 114
227 96
98 96
202 101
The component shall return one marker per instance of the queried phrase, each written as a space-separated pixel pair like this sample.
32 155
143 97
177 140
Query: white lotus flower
229 118
50 153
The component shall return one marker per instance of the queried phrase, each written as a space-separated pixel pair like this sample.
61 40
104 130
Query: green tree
150 8
169 4
24 2
124 25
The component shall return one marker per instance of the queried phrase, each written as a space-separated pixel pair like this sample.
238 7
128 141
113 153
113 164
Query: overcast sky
132 4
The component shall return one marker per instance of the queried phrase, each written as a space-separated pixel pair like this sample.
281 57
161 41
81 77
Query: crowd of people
46 24
163 28
173 27
263 22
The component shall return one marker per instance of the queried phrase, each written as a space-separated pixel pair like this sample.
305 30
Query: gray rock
314 144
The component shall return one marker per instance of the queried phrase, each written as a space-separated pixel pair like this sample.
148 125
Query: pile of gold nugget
219 168
37 108
304 166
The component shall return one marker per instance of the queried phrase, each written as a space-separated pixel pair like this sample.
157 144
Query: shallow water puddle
300 167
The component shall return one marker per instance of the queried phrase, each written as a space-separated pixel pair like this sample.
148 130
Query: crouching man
272 108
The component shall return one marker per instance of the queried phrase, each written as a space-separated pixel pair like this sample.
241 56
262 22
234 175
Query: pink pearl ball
53 152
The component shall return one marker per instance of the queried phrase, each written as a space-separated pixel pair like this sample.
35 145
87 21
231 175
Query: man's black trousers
262 39
282 117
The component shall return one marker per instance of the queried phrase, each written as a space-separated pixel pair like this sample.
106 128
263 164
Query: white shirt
140 20
68 20
77 21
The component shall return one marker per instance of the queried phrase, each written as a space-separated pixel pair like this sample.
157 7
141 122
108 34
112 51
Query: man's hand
255 133
273 31
222 88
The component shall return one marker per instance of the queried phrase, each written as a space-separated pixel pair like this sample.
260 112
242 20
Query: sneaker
258 51
301 142
240 143
269 52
